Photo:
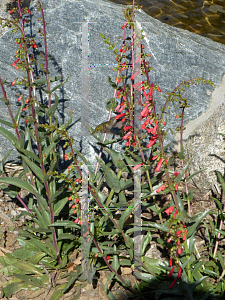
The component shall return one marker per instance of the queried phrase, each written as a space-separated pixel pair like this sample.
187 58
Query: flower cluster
176 237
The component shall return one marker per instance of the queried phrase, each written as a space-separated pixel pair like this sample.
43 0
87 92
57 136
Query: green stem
188 265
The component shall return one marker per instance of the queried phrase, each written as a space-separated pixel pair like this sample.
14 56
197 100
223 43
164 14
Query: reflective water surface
206 18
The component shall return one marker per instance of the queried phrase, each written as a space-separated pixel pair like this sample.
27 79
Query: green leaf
11 289
56 295
162 227
43 81
5 100
22 254
66 236
124 215
111 178
25 266
4 160
221 180
7 123
153 264
18 115
37 170
146 241
74 277
29 154
194 222
37 257
66 224
9 135
41 247
30 280
52 110
184 216
55 88
112 83
59 205
111 104
47 150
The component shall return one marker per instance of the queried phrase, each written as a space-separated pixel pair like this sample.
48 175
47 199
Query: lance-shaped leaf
55 88
111 178
194 222
9 135
52 110
29 154
37 170
5 100
43 81
6 123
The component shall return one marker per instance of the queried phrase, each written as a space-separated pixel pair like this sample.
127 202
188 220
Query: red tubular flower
73 206
29 12
14 82
170 262
176 116
136 85
169 210
76 221
157 169
171 272
145 124
88 240
163 122
161 188
158 88
120 115
179 273
137 167
168 241
178 233
152 141
11 11
176 174
185 234
175 214
14 64
145 111
150 92
126 128
179 250
85 234
127 136
20 97
154 157
153 130
138 59
134 75
172 284
107 257
176 187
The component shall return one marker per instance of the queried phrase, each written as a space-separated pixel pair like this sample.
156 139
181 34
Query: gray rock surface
176 55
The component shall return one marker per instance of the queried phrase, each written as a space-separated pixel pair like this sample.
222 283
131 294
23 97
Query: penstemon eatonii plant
60 228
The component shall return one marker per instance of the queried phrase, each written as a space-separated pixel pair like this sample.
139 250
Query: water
206 18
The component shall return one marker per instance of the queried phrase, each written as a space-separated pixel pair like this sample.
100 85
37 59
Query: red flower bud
172 284
107 257
171 272
170 262
179 250
185 234
169 210
14 82
179 273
